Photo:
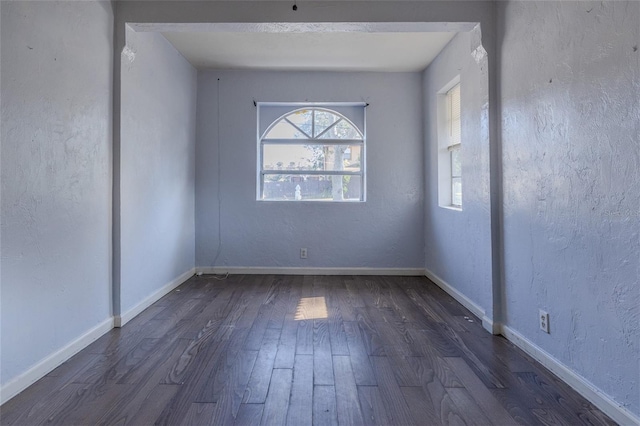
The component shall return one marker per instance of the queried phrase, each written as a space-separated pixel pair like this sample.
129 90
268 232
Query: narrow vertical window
449 145
454 145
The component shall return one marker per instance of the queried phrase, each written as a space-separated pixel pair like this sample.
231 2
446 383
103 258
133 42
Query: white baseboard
48 364
614 410
121 320
492 327
308 271
611 408
461 298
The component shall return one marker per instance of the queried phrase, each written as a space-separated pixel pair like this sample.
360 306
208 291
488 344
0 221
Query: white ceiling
314 50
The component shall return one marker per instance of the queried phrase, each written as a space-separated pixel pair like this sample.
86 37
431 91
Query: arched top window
313 123
310 154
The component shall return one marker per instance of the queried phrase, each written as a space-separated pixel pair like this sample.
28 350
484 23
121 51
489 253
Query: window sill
307 201
454 208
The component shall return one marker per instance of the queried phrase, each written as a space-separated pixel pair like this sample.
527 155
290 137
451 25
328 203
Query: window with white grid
311 153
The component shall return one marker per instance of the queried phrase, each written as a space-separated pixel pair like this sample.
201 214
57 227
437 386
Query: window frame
449 143
457 148
292 108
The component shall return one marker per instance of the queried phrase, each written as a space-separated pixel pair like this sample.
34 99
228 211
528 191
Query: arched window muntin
314 135
331 167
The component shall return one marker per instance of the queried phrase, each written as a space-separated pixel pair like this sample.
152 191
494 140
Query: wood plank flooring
301 350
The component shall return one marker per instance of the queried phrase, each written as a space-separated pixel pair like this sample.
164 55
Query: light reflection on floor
311 308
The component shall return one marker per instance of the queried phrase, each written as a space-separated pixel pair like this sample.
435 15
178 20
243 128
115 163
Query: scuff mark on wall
128 54
479 55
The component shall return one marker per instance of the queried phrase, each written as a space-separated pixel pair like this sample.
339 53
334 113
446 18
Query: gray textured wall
157 167
570 123
56 176
385 232
458 243
569 118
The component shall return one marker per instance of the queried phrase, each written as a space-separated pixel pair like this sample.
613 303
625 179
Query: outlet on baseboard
543 316
303 253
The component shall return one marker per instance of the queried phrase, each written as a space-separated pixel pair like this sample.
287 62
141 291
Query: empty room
320 212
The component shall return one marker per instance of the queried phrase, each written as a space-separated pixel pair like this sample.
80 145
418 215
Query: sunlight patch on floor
311 308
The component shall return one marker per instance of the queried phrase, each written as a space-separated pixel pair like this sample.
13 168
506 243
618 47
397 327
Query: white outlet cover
543 318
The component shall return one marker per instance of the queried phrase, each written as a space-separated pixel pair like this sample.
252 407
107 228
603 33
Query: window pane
306 141
342 130
456 162
456 191
324 119
302 119
284 130
311 187
311 157
454 115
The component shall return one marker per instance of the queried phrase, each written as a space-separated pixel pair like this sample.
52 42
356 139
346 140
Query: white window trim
294 106
444 148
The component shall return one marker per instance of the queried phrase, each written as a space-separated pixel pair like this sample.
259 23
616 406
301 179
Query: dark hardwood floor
301 350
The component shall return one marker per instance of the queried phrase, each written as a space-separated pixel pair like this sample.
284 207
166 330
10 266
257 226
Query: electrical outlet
303 253
544 320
